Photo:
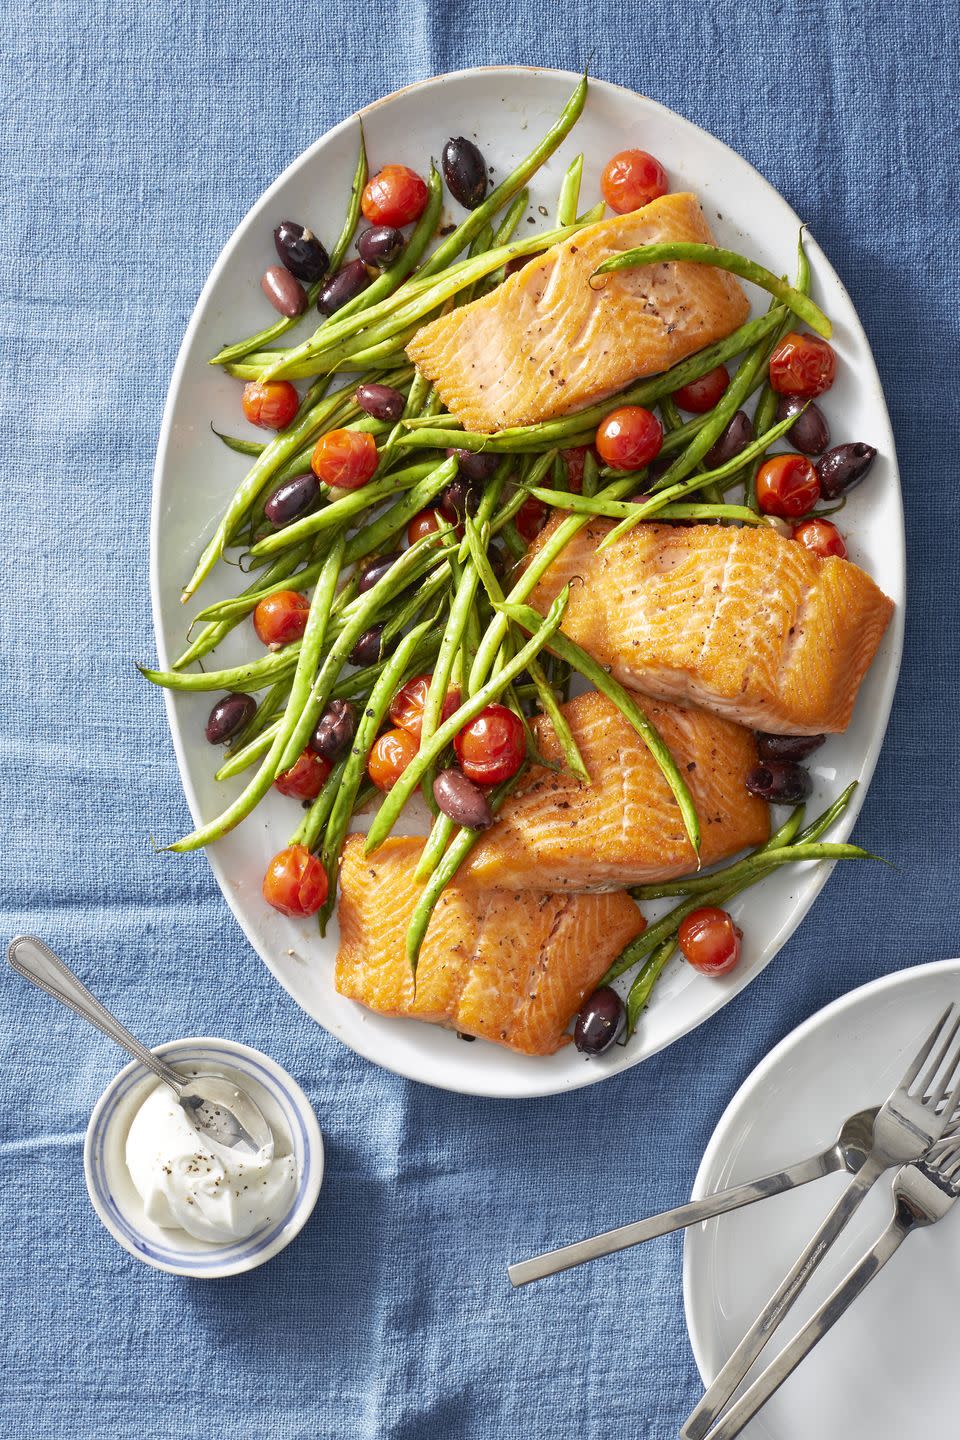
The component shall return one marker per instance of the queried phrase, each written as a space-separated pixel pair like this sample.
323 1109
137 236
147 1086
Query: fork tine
950 1073
934 1096
924 1050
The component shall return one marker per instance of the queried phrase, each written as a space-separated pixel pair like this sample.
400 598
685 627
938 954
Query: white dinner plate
508 109
888 1368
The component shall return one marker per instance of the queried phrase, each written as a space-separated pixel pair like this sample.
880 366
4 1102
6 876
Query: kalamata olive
229 716
367 649
334 730
465 171
349 282
787 747
300 251
600 1021
380 245
292 499
809 432
380 401
376 570
735 438
460 498
843 467
464 802
780 781
284 291
474 467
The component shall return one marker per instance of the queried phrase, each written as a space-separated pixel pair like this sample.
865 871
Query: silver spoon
216 1107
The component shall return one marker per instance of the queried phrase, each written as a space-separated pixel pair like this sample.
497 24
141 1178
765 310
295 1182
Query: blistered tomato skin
802 365
629 437
281 618
406 707
395 196
271 404
710 941
631 179
491 748
345 459
295 882
822 538
787 486
701 395
390 756
305 778
427 522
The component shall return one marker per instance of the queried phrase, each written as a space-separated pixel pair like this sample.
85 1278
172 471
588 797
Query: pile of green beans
440 606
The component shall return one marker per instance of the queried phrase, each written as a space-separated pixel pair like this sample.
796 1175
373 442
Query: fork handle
744 1409
552 1261
714 1402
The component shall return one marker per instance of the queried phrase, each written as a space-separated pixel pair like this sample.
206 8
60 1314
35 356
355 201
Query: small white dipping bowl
117 1201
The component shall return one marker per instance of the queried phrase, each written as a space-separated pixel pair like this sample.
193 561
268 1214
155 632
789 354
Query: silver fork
908 1123
922 1194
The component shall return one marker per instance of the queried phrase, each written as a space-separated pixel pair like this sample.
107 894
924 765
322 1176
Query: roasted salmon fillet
509 968
545 343
743 622
625 828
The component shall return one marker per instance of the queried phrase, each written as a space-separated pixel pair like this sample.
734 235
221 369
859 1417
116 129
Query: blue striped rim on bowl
115 1201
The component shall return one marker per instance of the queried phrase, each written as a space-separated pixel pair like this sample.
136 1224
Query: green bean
469 710
281 575
380 291
242 447
310 648
435 846
570 192
246 755
591 474
389 524
281 326
313 821
640 991
350 503
271 705
505 191
623 509
452 859
425 594
801 305
255 675
823 822
659 501
580 661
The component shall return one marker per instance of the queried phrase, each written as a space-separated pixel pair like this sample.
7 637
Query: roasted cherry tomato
710 940
787 485
822 537
802 365
295 882
271 404
491 747
575 460
701 395
305 778
406 707
390 756
282 617
631 179
530 518
629 437
395 196
427 522
345 459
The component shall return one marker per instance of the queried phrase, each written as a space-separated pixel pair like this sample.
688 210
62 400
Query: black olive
474 467
735 438
368 647
292 499
334 730
600 1021
380 245
787 747
780 781
376 570
380 401
300 251
460 498
346 285
229 716
465 171
284 291
809 432
464 802
843 467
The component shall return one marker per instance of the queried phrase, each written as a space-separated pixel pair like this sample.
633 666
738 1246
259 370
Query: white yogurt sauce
185 1184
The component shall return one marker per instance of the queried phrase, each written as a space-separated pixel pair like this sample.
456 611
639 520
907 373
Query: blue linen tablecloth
134 137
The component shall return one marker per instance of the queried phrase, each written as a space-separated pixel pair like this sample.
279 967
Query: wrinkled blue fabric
133 138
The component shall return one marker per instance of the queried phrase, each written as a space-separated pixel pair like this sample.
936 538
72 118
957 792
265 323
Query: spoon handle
38 964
